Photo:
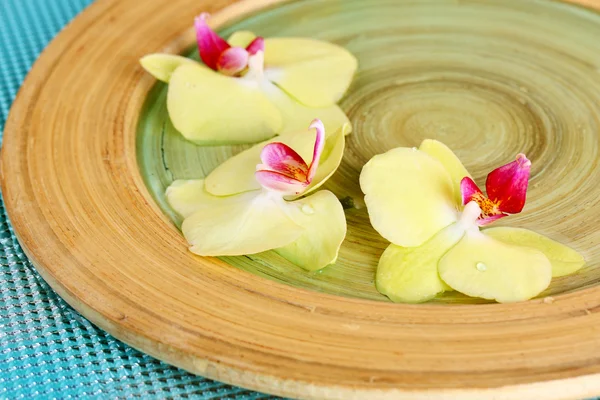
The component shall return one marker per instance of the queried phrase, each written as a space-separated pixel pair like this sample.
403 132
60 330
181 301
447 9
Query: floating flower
219 55
424 202
506 186
263 202
283 170
249 89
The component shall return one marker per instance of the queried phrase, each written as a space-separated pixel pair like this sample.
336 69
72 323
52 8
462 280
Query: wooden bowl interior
489 78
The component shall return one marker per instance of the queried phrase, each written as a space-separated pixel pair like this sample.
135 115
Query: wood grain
81 210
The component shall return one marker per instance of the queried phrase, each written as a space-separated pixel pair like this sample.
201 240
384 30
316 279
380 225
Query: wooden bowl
85 162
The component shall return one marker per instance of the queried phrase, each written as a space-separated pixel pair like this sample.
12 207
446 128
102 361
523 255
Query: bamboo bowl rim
85 219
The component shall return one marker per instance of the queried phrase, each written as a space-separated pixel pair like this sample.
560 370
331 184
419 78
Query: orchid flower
283 170
506 186
263 202
219 55
259 87
430 209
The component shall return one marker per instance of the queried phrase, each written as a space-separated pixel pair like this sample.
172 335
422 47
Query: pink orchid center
232 61
217 54
258 44
283 170
506 188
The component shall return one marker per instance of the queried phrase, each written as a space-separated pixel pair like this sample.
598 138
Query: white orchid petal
322 216
481 266
409 196
162 66
564 259
210 108
410 274
254 222
314 72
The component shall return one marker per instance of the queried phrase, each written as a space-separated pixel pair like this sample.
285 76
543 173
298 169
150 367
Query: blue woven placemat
48 350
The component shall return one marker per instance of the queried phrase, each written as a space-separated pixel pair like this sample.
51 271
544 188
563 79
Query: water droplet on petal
306 209
481 266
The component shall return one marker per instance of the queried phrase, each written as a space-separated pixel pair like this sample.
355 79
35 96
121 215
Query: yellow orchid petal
410 274
316 73
188 196
249 223
241 39
564 259
455 168
236 175
481 266
210 108
296 116
409 196
322 216
162 66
